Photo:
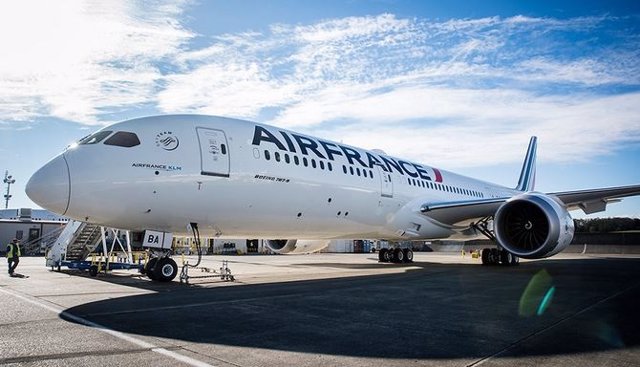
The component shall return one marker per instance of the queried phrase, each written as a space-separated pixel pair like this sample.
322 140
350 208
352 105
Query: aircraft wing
595 200
463 212
458 212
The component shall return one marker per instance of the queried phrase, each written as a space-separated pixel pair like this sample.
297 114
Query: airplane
223 177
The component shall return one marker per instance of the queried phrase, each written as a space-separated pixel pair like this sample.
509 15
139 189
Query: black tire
505 257
165 270
398 255
382 255
149 268
495 256
485 256
515 261
93 270
388 256
408 255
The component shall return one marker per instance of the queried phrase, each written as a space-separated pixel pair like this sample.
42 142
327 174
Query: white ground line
104 329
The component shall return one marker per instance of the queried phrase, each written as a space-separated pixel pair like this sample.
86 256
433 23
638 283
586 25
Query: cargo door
214 152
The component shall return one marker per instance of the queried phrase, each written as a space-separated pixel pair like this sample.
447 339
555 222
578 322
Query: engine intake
296 246
533 226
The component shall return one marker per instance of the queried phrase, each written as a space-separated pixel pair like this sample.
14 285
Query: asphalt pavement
330 310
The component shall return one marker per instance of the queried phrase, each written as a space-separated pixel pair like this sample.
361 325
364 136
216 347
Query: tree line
604 225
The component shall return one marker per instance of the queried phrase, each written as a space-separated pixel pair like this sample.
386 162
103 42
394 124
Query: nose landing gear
161 268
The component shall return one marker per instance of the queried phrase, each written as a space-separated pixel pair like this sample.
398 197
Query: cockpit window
95 138
123 139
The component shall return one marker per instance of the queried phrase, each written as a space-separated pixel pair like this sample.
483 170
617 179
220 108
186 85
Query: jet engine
533 226
296 246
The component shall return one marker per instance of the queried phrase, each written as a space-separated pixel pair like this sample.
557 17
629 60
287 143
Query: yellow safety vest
11 248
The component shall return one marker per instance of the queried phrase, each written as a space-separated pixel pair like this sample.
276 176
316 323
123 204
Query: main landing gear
494 256
397 255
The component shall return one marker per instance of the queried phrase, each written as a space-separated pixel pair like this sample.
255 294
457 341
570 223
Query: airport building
31 226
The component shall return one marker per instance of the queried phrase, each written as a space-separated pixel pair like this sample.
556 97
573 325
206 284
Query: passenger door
386 188
214 152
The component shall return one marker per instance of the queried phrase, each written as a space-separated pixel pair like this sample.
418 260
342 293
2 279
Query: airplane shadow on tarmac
434 311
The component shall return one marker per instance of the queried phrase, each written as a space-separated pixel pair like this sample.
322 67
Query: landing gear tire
506 257
382 255
93 270
149 268
408 255
388 256
514 260
494 256
165 270
398 255
485 256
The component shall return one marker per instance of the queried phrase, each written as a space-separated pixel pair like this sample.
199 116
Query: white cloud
76 59
495 127
409 86
402 84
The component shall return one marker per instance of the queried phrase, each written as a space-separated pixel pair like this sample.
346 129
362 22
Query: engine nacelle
533 226
296 246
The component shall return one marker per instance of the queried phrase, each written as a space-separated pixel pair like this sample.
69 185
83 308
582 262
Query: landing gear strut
396 255
494 256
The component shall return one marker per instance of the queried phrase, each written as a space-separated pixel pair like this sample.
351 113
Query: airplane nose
50 186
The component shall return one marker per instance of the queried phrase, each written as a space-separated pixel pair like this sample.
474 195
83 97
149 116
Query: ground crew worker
13 255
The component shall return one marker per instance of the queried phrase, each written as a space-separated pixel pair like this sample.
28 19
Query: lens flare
538 295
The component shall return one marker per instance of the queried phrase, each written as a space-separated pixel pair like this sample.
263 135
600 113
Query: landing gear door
386 188
156 239
214 152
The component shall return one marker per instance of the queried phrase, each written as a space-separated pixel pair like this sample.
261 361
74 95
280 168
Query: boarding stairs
76 241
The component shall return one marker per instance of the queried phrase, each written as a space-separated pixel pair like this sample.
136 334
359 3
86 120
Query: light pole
9 180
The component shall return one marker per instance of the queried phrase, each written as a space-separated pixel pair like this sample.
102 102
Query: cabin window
286 158
305 162
329 166
123 139
267 156
344 169
321 165
313 163
296 160
94 138
277 155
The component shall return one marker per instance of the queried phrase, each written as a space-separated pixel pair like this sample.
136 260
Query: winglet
527 179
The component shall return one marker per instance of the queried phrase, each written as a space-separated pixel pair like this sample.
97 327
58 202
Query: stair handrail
46 239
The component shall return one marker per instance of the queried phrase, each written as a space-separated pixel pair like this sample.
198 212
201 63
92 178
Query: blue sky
458 84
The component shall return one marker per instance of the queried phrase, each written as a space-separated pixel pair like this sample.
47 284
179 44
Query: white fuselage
246 180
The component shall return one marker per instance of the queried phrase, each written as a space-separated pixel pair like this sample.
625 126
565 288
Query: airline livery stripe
438 175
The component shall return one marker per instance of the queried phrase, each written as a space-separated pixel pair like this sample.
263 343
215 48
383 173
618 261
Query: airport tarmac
330 310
